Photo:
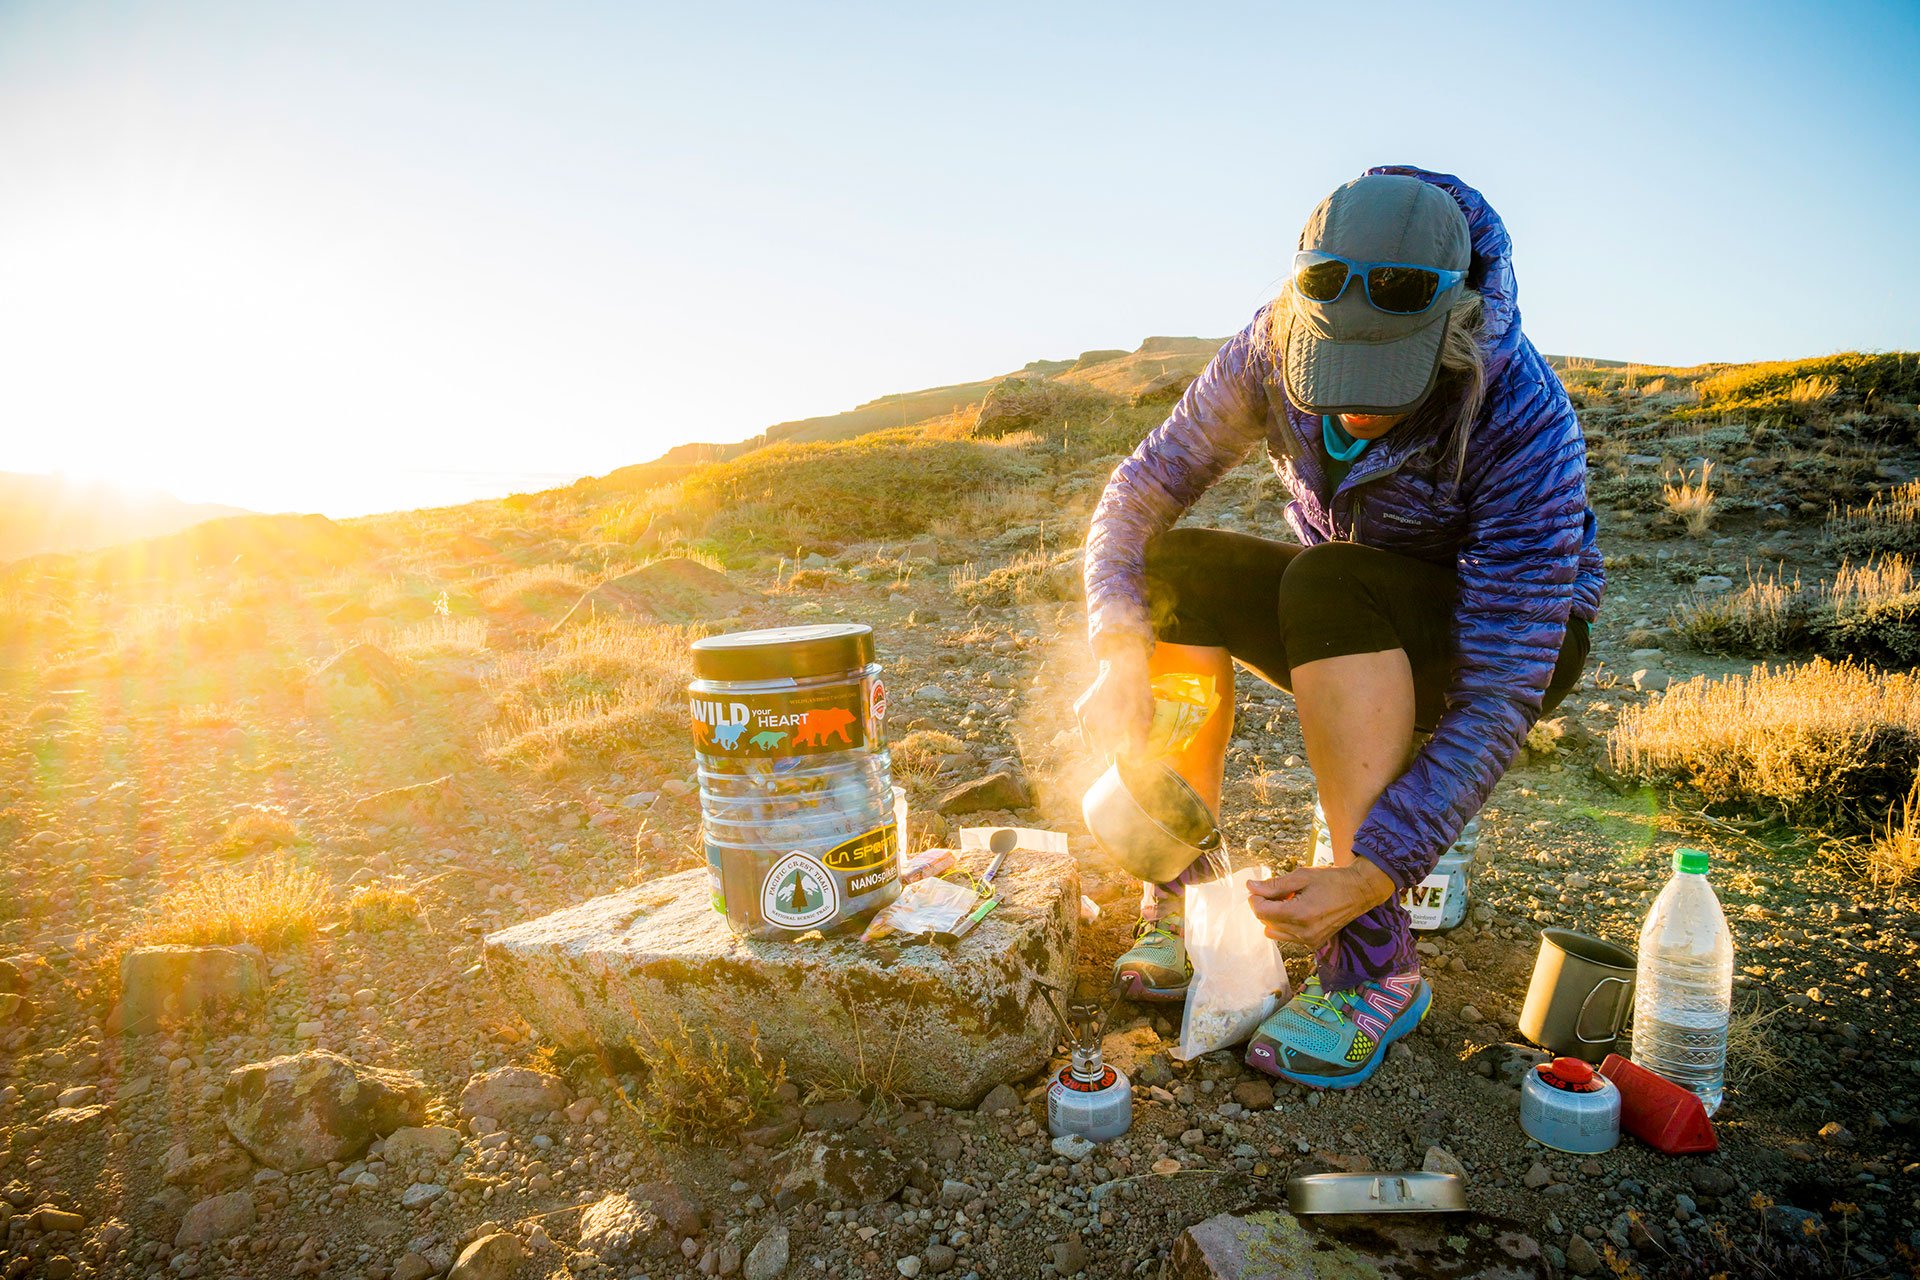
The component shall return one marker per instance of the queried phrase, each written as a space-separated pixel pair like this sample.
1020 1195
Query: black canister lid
775 653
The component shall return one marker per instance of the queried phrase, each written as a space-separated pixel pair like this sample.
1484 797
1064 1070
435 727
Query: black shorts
1274 605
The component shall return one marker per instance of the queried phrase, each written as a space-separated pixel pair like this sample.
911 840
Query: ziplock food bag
1238 977
1182 701
925 906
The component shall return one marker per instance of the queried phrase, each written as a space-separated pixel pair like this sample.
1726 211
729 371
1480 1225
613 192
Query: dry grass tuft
1692 501
1811 392
1820 741
268 905
590 693
1753 1047
1768 616
1033 577
255 827
1893 859
917 756
698 1089
374 907
1886 522
542 591
1873 612
441 637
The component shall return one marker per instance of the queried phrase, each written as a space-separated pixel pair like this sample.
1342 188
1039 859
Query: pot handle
1618 1008
1209 842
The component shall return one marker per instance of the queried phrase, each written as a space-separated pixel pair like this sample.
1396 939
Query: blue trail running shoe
1155 968
1337 1041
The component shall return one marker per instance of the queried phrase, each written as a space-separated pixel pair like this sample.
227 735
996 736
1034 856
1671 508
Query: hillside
362 746
41 513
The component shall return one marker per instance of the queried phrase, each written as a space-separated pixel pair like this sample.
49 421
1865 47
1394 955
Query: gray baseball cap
1348 356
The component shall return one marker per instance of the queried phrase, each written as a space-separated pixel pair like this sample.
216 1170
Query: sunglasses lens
1318 279
1402 290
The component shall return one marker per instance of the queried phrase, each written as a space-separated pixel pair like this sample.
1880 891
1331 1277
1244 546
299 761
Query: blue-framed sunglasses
1399 288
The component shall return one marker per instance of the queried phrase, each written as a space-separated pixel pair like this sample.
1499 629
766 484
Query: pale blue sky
351 255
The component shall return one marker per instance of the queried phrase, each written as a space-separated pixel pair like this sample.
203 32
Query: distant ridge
55 513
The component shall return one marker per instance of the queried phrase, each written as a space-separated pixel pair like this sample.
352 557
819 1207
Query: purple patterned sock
1376 945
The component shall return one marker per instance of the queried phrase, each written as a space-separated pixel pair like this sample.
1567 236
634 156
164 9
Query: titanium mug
1581 996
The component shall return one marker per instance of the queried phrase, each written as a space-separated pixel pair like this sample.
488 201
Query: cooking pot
1148 818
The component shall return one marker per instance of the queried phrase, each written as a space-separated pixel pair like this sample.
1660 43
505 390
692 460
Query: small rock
1000 790
423 1144
411 1266
1069 1256
1832 1132
768 1258
835 1116
1469 1013
215 1218
1440 1160
618 1227
940 1259
1650 681
508 1093
1713 584
161 984
1254 1095
1582 1260
1712 1180
834 1168
421 1193
1001 1098
1074 1147
908 1266
492 1257
300 1111
48 1218
1538 1175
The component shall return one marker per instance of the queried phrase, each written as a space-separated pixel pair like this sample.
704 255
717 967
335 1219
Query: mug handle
1580 1018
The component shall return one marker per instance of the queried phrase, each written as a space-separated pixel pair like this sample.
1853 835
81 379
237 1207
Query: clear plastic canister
796 798
1437 902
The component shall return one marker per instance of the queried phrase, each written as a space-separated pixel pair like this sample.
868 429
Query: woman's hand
1310 905
1116 711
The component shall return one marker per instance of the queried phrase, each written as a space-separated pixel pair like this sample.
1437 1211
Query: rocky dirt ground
127 771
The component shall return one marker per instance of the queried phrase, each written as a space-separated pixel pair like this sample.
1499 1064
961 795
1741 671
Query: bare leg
1356 715
1203 763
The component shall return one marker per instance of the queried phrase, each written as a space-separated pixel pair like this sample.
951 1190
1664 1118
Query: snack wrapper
923 907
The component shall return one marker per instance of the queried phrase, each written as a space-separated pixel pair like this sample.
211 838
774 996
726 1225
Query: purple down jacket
1517 528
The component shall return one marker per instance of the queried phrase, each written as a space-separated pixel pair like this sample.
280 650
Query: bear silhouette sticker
820 725
798 893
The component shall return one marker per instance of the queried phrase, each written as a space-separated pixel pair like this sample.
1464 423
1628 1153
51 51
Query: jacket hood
1491 271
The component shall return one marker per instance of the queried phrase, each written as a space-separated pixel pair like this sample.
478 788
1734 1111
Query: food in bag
1182 701
1238 976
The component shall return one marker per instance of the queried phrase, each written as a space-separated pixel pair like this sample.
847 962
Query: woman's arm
1215 425
1517 570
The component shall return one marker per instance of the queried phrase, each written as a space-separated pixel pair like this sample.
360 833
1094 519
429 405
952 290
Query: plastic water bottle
1683 996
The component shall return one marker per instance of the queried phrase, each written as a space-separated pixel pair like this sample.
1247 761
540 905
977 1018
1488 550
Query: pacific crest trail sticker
798 893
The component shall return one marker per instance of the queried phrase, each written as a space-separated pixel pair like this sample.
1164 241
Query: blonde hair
1460 386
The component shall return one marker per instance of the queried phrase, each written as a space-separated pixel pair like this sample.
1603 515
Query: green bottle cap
1690 860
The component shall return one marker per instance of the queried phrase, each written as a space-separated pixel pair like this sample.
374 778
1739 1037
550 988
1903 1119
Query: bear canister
796 798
